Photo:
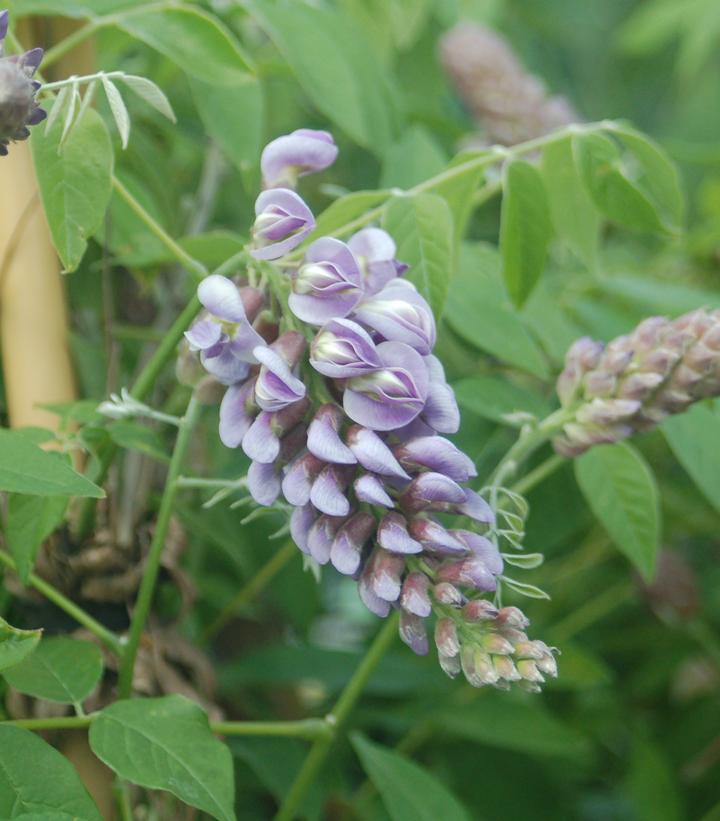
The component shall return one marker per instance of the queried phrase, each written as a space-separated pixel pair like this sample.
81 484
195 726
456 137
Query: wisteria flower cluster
343 410
18 107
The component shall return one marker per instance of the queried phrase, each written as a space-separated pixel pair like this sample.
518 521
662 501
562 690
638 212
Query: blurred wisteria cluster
334 393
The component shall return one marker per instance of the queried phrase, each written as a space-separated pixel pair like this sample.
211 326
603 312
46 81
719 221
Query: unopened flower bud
282 222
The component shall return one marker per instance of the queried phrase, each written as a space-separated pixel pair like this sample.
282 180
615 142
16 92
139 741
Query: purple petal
433 491
342 349
327 492
260 442
244 341
369 488
235 414
4 22
321 536
203 335
373 454
369 598
414 597
482 548
471 572
283 201
263 483
31 60
298 481
301 520
435 538
387 571
347 547
441 411
393 535
221 297
37 115
302 152
476 508
437 454
324 440
375 249
224 366
276 386
413 633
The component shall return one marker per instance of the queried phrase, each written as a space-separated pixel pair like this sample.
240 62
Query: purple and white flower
343 349
282 221
294 155
375 251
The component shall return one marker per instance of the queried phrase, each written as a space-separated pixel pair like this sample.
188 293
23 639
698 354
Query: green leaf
652 785
573 212
166 744
234 118
409 792
134 436
620 489
611 188
25 468
458 189
29 521
348 208
118 109
407 19
75 182
37 783
412 159
335 65
694 437
495 398
422 227
479 311
61 669
15 644
193 39
525 229
151 93
509 723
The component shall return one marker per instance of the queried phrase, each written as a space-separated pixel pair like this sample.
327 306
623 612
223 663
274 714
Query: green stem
79 36
592 611
310 729
250 590
85 78
340 712
152 567
542 471
180 254
109 639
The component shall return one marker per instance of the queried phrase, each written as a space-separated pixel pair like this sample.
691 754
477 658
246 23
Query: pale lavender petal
324 440
301 520
369 598
236 415
224 366
437 454
276 386
4 22
244 341
221 297
387 571
393 535
375 249
327 492
392 396
297 482
321 536
263 483
482 548
476 508
413 633
373 454
294 155
260 442
283 220
31 60
342 349
203 335
433 491
470 572
435 538
369 488
414 597
347 547
441 410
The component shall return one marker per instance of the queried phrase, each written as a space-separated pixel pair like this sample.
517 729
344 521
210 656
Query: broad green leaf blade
574 214
694 437
422 227
620 489
525 229
234 118
479 311
615 194
29 521
15 644
509 723
37 782
193 39
495 398
134 436
463 176
61 669
75 182
336 66
413 158
151 93
651 784
166 744
409 792
347 209
26 468
118 109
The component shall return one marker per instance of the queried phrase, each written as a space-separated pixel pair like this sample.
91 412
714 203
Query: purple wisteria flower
18 107
277 386
282 221
343 349
400 314
375 251
391 396
224 336
294 155
328 285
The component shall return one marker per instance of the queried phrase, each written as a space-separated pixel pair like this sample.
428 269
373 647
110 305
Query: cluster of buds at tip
348 429
635 381
489 646
511 104
18 107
